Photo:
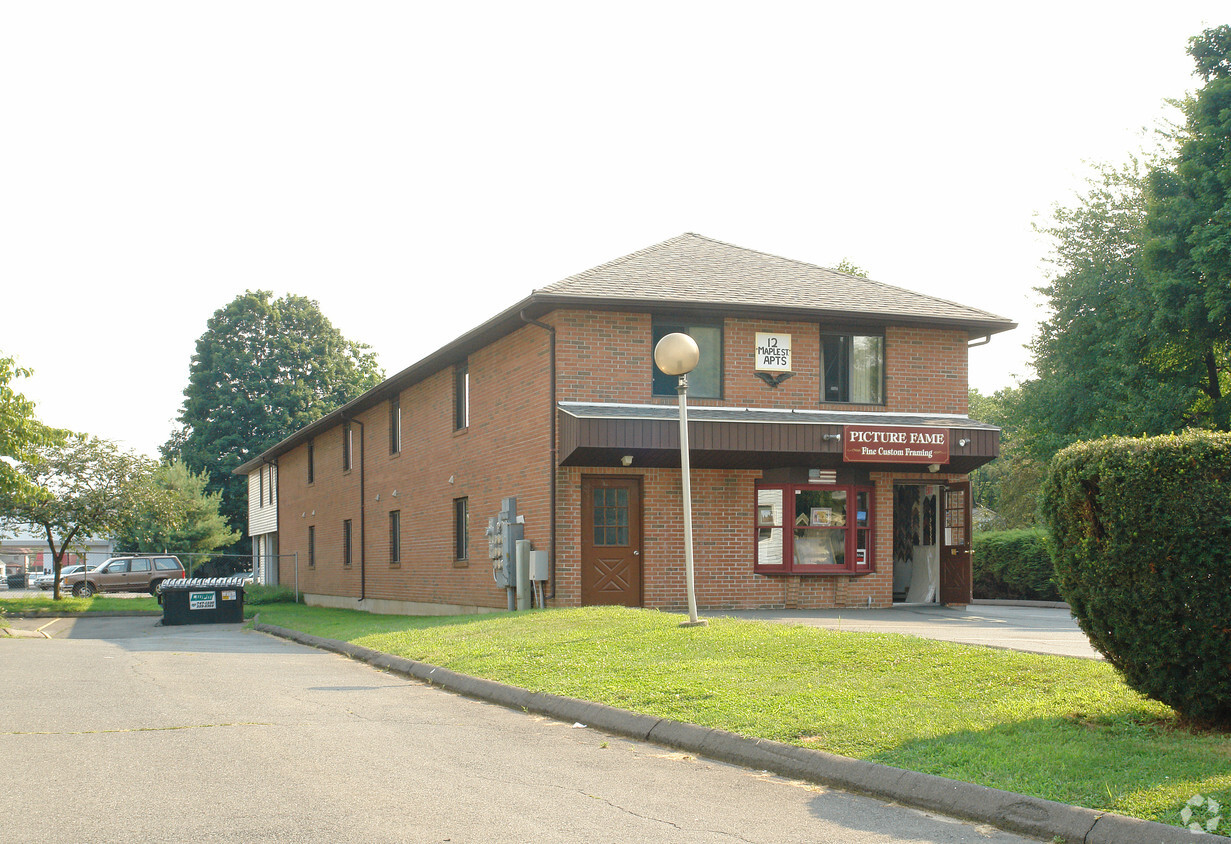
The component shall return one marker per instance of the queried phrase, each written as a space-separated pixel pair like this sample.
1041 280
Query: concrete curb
58 614
1013 812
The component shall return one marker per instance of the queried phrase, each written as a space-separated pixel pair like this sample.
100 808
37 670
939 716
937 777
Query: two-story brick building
830 447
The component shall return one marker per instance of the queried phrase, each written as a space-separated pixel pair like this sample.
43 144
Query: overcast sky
417 167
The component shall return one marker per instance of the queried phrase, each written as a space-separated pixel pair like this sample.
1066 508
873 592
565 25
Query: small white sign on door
773 352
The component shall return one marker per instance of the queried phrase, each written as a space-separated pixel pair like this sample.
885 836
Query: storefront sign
882 444
773 352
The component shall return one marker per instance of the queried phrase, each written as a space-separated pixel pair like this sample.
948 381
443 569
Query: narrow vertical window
311 546
395 425
346 447
346 533
461 527
261 498
461 396
395 536
311 462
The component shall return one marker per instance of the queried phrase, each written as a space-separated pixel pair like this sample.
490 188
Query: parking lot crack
133 729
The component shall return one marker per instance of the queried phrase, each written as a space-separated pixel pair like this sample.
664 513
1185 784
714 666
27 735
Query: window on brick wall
395 537
461 396
311 462
347 446
311 546
395 425
813 529
853 368
461 528
346 542
704 382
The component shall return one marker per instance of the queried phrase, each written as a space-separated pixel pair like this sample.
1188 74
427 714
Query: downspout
275 490
551 561
363 549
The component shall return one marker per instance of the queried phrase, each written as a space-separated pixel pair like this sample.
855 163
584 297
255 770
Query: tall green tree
263 368
82 487
1187 249
192 527
1009 484
20 431
1101 369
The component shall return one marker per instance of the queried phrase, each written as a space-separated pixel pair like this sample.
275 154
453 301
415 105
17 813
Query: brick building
829 442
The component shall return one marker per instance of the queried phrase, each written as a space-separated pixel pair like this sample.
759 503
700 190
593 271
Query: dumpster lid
236 582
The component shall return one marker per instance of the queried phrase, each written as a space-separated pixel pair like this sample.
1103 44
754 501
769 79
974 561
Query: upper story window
347 443
311 462
461 396
395 425
705 381
853 368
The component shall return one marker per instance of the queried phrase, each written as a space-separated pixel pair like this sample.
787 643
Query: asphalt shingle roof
692 269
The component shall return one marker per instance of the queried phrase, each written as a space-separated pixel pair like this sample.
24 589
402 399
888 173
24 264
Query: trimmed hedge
1142 544
1015 565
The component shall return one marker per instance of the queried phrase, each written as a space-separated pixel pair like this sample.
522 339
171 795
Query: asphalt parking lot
120 730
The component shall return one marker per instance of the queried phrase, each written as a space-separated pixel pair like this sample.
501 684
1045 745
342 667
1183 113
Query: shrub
1141 532
1014 564
258 593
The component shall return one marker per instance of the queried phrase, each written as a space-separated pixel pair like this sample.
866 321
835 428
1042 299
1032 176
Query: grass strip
1060 728
67 604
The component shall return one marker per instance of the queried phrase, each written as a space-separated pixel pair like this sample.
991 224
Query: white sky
418 167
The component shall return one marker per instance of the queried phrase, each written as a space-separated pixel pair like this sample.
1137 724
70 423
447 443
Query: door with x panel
611 541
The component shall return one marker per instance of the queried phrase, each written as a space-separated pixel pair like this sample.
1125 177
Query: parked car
125 574
47 581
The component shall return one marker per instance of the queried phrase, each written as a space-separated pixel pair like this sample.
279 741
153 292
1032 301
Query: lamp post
677 354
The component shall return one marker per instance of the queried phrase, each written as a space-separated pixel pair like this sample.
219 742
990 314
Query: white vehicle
46 581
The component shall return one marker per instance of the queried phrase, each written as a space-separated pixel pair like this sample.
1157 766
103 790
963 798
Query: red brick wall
505 451
601 357
609 357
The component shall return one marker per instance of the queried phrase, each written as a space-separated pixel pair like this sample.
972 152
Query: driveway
120 729
1046 630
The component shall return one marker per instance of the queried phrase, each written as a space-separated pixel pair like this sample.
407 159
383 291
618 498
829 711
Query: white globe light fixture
678 354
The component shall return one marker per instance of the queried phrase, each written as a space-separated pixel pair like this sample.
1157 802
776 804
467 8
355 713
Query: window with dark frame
813 529
852 368
261 473
311 546
461 396
346 542
347 439
395 425
705 381
311 462
461 528
395 536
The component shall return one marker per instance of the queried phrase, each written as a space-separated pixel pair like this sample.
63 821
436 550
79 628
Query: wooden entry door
611 541
956 577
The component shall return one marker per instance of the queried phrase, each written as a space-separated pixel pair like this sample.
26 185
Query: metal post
685 476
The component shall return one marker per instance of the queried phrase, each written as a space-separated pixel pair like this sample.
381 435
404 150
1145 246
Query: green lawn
1060 728
45 603
1055 727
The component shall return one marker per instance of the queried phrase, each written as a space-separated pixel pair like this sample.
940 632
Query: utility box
211 600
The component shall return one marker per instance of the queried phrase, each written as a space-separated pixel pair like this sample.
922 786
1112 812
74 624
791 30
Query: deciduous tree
82 487
20 431
263 368
192 527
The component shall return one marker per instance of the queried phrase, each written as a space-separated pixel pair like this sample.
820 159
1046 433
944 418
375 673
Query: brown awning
752 438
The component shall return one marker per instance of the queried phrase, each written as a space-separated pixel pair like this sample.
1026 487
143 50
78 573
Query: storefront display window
825 533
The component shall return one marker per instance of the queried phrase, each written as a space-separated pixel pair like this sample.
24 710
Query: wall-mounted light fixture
831 437
963 442
626 460
934 467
